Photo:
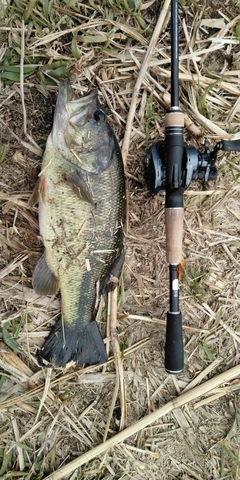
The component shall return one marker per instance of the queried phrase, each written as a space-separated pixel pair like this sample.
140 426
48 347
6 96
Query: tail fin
83 347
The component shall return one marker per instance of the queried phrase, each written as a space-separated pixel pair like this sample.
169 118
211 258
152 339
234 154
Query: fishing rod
170 167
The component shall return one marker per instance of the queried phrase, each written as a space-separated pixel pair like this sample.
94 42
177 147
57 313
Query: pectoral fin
44 281
79 186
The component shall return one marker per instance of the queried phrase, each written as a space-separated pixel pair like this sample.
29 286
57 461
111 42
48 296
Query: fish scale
95 236
81 215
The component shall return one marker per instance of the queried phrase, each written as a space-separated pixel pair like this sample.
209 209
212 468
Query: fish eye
99 116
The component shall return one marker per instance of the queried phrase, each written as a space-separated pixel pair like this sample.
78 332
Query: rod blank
174 55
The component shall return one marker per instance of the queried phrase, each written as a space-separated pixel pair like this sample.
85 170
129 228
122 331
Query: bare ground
49 418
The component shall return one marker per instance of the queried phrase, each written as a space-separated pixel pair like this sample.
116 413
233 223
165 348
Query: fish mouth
65 92
72 109
66 95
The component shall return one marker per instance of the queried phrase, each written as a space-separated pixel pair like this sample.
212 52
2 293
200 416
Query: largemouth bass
81 196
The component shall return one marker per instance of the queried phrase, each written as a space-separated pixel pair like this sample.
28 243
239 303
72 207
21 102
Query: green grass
41 18
226 451
202 105
192 277
149 115
209 352
10 332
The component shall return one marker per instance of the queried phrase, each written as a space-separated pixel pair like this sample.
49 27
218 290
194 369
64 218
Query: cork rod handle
174 234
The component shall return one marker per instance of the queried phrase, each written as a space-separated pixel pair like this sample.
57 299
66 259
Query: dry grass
128 419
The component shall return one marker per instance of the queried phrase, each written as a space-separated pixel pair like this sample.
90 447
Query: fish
81 207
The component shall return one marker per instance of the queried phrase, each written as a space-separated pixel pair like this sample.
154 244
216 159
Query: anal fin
110 281
44 281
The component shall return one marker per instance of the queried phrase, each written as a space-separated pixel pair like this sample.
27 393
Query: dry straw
177 402
142 73
211 240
